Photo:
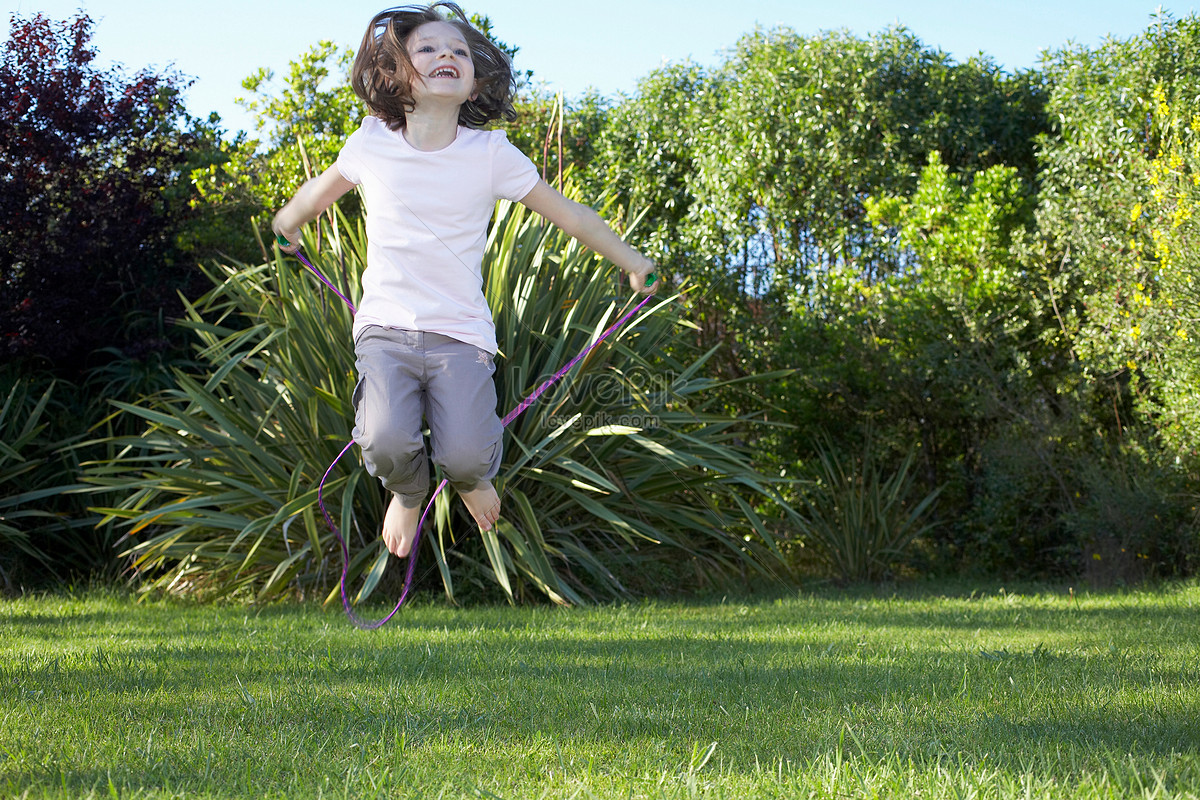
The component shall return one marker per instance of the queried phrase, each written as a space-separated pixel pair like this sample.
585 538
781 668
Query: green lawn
927 693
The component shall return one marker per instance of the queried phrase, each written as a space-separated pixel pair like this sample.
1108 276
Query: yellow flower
1136 212
1183 213
1160 100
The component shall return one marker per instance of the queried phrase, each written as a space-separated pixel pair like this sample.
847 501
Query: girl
424 336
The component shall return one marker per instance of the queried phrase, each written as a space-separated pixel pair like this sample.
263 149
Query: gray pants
406 375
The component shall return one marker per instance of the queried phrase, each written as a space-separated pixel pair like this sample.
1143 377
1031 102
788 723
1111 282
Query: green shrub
1133 521
1011 522
43 528
859 514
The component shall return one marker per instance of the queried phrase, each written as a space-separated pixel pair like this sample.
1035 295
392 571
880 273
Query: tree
304 123
1116 212
755 173
90 167
941 358
646 154
808 126
1116 233
1161 302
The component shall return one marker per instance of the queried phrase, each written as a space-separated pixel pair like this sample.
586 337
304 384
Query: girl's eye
462 53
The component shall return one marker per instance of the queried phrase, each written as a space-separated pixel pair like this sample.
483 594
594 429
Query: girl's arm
310 201
586 225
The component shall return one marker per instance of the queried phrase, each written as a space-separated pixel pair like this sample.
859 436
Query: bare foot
400 527
483 503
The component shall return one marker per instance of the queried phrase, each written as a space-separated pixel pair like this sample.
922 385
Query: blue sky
572 46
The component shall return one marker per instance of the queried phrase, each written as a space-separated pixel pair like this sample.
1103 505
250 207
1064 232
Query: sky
570 46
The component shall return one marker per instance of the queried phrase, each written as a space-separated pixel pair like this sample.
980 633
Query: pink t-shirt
427 218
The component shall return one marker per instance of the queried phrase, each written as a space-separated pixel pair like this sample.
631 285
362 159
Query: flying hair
383 72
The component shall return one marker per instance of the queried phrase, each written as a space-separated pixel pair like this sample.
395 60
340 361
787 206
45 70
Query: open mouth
444 72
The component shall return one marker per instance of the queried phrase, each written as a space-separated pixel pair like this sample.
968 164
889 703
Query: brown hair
382 68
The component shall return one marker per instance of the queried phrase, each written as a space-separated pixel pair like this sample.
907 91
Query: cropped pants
406 376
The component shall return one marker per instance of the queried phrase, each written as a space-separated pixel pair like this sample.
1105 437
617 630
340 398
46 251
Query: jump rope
532 398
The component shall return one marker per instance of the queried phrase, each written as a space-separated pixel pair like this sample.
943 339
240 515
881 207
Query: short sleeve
349 157
513 174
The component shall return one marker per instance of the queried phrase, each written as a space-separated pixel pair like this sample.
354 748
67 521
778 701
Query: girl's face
442 64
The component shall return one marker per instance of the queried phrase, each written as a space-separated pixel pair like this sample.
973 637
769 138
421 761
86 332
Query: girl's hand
291 236
637 280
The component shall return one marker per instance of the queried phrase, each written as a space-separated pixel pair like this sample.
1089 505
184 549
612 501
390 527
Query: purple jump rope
512 415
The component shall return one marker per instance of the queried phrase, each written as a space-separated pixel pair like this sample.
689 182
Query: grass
928 693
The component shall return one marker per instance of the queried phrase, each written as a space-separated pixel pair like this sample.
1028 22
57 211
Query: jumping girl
424 338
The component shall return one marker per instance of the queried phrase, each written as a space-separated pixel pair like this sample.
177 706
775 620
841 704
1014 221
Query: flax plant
34 463
621 468
21 428
858 514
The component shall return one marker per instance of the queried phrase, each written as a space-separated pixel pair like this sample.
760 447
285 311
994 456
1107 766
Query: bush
860 515
44 528
1135 521
92 193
